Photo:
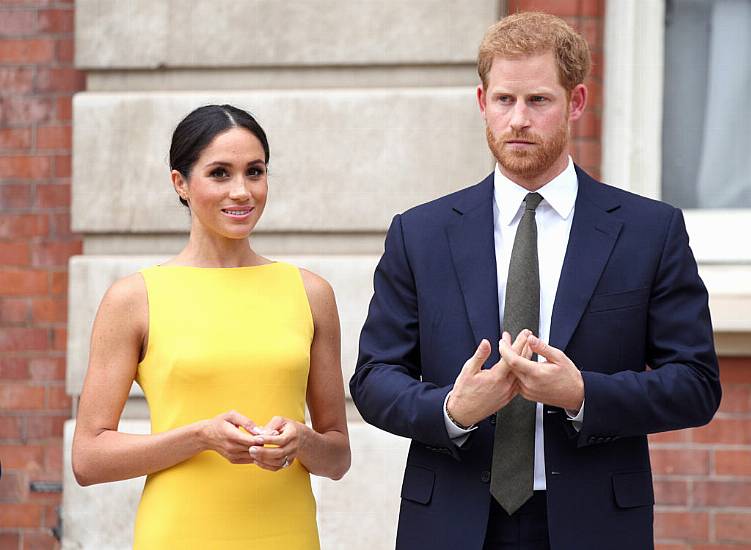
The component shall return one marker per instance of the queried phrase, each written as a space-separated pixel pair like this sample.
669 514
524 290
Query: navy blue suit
630 311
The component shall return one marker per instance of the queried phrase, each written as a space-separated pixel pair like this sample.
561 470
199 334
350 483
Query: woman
227 347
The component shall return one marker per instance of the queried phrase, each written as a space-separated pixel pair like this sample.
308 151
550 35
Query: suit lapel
473 253
594 231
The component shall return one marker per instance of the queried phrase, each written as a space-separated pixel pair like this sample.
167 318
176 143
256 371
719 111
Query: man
538 439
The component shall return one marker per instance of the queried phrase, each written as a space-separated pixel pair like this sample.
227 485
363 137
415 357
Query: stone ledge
147 34
341 160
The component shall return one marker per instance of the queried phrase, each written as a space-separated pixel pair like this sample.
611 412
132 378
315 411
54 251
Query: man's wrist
454 420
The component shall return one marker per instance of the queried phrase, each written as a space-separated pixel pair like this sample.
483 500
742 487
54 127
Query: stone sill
729 289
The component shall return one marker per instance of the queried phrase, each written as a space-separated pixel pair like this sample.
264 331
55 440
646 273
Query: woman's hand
286 436
224 435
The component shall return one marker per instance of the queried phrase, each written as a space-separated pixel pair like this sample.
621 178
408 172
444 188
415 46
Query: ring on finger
286 462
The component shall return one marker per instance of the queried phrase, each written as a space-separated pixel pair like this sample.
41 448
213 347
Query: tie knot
532 201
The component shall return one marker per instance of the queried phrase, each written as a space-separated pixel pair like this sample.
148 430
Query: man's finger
553 355
515 362
475 363
521 340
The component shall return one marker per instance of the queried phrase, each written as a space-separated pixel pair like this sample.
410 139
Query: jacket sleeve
681 386
387 387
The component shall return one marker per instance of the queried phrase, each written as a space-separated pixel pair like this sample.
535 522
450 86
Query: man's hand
479 393
556 382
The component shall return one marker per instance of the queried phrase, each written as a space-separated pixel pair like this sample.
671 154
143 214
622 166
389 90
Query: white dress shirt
553 216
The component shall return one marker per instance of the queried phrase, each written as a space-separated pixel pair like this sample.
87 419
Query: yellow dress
223 339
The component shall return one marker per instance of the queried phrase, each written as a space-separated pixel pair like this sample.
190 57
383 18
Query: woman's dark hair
197 130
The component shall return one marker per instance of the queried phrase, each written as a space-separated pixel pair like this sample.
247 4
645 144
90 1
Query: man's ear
481 98
180 185
577 102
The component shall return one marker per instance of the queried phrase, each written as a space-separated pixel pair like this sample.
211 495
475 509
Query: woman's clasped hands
241 441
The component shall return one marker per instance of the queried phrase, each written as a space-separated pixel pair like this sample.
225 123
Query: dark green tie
514 445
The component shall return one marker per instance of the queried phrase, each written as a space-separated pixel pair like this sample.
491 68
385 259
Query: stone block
360 511
341 160
146 35
90 276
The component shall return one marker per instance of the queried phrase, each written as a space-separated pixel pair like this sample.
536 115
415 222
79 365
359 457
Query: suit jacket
630 311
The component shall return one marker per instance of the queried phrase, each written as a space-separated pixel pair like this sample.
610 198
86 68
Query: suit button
485 476
492 420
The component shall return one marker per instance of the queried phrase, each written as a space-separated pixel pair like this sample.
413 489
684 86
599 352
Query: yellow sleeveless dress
223 339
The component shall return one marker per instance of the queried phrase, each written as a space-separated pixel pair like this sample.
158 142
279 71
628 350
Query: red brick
17 23
53 457
47 368
676 436
61 225
49 310
13 486
731 546
22 282
16 80
722 493
24 339
679 461
589 27
57 399
64 50
673 546
9 541
14 226
53 137
597 69
673 492
558 7
14 196
735 370
59 283
736 398
595 8
54 254
62 166
21 397
53 196
41 540
588 126
25 167
42 427
14 368
733 462
588 152
11 427
25 110
64 108
733 527
56 21
14 253
724 430
20 515
28 458
60 79
15 138
14 311
681 525
59 339
27 51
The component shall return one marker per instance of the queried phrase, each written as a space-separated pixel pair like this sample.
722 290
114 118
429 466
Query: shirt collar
559 193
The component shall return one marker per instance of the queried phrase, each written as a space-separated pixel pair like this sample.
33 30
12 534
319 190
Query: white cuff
458 435
576 419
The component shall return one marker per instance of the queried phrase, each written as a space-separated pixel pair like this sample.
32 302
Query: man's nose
519 116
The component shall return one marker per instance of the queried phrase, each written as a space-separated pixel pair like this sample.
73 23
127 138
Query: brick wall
37 81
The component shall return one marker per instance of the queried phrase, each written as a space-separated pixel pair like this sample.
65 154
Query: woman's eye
255 172
218 173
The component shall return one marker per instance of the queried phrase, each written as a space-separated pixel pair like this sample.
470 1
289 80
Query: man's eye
538 99
504 99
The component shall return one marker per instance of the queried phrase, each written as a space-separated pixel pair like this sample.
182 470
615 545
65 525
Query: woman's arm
324 449
100 452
